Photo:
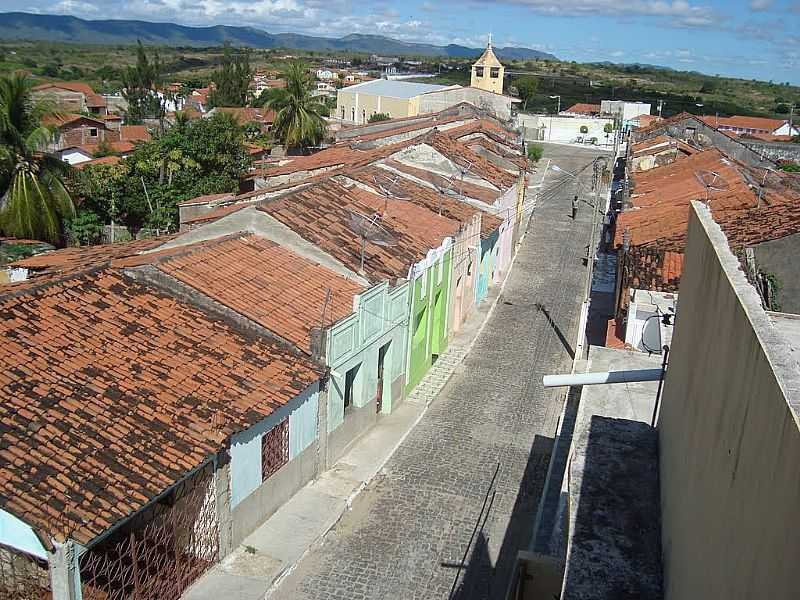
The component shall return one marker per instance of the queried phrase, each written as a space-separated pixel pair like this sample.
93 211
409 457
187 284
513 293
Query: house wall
379 318
508 205
779 258
466 262
253 500
551 128
488 258
365 105
729 436
493 103
430 301
775 151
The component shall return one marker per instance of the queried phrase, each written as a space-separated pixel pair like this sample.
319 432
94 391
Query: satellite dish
389 187
651 335
712 181
369 230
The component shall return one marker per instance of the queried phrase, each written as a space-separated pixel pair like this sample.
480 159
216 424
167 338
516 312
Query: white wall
563 129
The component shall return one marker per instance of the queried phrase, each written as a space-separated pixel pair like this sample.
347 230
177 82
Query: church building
487 72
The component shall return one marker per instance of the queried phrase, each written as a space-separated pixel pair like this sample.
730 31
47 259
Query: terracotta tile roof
248 115
582 108
661 143
740 122
335 156
112 392
262 281
216 214
647 120
60 120
323 214
494 130
460 154
652 269
426 227
430 199
134 133
103 160
470 190
72 86
207 199
428 123
70 260
661 200
766 137
121 147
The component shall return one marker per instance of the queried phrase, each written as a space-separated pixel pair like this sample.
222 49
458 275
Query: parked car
592 141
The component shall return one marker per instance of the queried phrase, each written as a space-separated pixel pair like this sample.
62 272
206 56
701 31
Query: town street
470 474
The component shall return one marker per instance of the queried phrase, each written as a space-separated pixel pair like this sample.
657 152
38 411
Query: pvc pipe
601 377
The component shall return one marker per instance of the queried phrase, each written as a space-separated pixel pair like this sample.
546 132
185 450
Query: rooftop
395 89
113 391
262 281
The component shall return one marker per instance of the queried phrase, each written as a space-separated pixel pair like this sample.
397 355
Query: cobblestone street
470 474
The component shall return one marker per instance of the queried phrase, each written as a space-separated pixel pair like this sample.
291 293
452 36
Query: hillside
61 28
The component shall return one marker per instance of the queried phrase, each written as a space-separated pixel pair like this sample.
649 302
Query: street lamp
558 110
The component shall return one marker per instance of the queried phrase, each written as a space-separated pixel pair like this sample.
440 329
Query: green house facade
366 353
429 286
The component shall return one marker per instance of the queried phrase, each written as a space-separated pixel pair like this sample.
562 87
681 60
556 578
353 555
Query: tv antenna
369 230
712 181
448 190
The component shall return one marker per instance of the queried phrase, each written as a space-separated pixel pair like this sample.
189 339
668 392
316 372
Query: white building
625 111
327 75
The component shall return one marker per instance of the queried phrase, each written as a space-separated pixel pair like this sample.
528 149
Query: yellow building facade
398 99
488 72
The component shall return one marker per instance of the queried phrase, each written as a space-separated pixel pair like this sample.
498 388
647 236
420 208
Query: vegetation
584 129
139 84
232 80
535 152
526 88
790 167
299 119
378 117
34 202
204 156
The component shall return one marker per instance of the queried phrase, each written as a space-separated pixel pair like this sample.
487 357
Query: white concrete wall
729 436
549 128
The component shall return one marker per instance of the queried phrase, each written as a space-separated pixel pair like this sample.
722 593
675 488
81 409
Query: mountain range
64 28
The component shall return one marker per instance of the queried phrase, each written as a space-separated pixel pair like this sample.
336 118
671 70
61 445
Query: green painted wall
430 299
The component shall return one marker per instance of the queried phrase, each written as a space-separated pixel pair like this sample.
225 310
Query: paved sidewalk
272 551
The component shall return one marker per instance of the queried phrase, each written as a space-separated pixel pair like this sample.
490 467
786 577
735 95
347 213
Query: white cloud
760 4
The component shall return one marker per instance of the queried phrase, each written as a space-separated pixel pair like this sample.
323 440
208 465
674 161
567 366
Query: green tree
34 202
378 117
584 129
298 115
139 86
608 128
231 80
535 152
527 87
84 229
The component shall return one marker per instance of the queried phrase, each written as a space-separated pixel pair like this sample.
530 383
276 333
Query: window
343 113
494 73
469 268
478 71
274 449
353 115
92 131
363 115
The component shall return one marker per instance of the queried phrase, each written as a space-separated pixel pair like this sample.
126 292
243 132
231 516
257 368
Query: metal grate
274 449
22 577
163 553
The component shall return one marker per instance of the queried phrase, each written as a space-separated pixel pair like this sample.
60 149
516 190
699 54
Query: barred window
274 449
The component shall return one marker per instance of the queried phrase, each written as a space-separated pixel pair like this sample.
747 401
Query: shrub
535 152
378 117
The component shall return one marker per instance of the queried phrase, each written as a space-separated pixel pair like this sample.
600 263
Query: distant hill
60 28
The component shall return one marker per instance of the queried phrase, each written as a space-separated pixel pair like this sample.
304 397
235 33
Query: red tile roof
121 147
326 215
207 199
248 114
112 392
740 122
424 196
470 190
92 99
661 199
60 120
71 260
582 108
460 154
262 281
103 160
134 133
424 123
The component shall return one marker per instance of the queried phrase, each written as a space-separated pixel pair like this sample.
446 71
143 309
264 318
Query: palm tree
298 116
33 199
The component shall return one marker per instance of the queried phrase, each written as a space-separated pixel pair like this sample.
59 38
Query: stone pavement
457 499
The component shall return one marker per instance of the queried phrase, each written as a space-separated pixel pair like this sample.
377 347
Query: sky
758 39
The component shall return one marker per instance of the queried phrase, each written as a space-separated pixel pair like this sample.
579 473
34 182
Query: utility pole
590 253
660 107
